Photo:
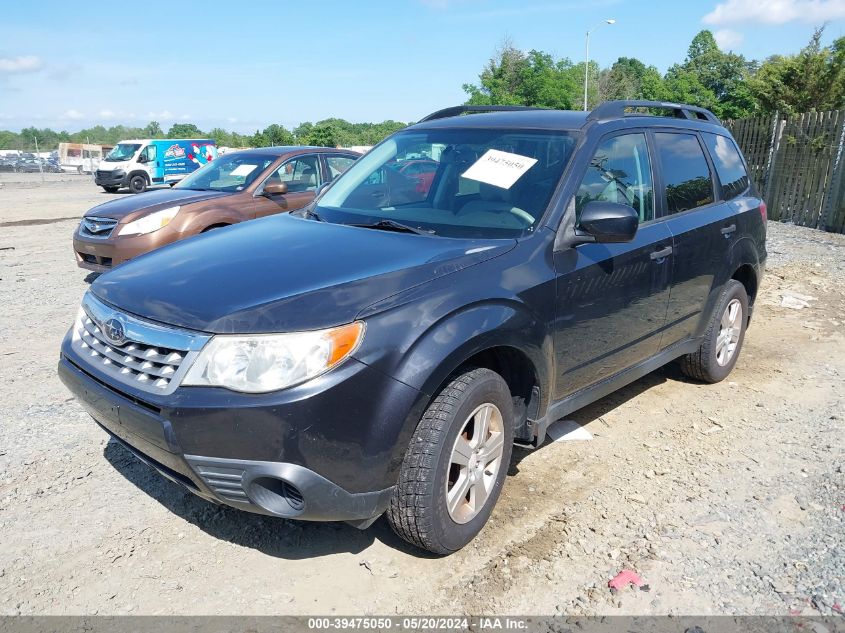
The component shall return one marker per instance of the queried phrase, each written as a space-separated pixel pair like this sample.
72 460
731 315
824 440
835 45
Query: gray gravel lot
726 498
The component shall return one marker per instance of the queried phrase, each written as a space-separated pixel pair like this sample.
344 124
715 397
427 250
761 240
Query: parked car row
29 164
379 344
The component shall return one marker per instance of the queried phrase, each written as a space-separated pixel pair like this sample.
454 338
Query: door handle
661 254
726 231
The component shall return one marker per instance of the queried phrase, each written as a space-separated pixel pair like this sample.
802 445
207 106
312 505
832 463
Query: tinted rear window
729 165
686 174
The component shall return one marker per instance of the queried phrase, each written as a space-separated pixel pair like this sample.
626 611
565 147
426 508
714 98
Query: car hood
282 274
135 205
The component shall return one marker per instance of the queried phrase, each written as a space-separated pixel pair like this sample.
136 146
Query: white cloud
73 115
107 114
775 11
185 117
164 114
21 64
232 119
728 40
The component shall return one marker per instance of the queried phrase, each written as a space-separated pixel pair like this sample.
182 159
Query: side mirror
275 189
607 222
142 159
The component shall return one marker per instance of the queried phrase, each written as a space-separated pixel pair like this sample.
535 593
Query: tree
512 77
153 130
814 79
629 78
184 130
322 135
724 75
277 135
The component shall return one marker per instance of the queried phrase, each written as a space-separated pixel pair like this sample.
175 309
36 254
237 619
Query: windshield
474 183
231 172
123 151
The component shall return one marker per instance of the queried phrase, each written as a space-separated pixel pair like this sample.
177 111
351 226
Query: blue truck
141 163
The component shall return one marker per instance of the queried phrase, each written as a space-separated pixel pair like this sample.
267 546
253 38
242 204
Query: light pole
587 58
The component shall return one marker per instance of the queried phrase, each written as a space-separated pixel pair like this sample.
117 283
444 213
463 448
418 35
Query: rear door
336 164
612 298
702 228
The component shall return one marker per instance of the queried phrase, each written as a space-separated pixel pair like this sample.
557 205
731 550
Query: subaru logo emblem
114 331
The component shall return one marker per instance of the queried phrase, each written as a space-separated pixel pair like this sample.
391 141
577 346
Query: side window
338 165
685 171
620 171
729 165
300 174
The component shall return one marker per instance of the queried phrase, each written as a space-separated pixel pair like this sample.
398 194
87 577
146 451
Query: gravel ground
725 498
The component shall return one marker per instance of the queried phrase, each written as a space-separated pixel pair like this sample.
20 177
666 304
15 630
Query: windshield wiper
307 213
392 225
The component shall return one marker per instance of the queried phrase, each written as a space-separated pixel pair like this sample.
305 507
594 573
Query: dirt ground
725 498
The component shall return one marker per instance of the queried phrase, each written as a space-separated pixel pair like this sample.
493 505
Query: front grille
94 259
136 361
146 355
97 227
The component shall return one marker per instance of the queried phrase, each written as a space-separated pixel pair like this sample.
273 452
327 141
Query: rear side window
729 165
338 164
619 172
686 174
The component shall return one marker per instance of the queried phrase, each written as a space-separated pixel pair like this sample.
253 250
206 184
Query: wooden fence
797 164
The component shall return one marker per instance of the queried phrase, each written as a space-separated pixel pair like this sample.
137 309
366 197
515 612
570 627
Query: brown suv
235 187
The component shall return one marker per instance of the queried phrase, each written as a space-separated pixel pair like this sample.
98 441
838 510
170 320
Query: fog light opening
277 495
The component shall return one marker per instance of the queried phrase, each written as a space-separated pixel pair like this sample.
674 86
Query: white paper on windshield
243 170
500 169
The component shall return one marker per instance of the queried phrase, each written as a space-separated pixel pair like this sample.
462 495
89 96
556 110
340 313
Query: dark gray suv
381 350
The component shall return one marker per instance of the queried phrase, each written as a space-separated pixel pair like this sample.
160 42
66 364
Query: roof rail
468 109
615 109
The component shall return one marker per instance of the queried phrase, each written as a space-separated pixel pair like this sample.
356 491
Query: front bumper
327 451
117 178
103 254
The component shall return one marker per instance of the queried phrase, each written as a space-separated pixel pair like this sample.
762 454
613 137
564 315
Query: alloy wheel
729 330
475 462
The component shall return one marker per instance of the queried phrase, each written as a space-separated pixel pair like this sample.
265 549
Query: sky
243 65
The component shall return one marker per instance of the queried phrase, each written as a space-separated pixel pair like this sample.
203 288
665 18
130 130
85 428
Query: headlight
268 362
149 223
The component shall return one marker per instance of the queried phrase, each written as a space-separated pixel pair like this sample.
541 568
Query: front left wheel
456 464
137 184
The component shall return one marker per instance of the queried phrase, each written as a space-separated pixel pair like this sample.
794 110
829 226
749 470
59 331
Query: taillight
764 211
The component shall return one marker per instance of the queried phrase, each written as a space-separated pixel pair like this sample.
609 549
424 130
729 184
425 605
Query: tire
137 184
419 510
111 189
723 340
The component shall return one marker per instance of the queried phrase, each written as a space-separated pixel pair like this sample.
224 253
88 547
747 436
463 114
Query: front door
152 163
612 298
302 177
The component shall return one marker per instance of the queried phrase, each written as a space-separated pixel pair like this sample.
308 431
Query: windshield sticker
500 169
243 170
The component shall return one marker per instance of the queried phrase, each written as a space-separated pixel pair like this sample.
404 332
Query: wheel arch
502 336
138 172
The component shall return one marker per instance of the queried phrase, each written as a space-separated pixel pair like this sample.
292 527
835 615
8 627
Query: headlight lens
268 362
149 223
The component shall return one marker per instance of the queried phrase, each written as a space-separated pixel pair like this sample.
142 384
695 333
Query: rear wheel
111 189
456 464
137 184
718 354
